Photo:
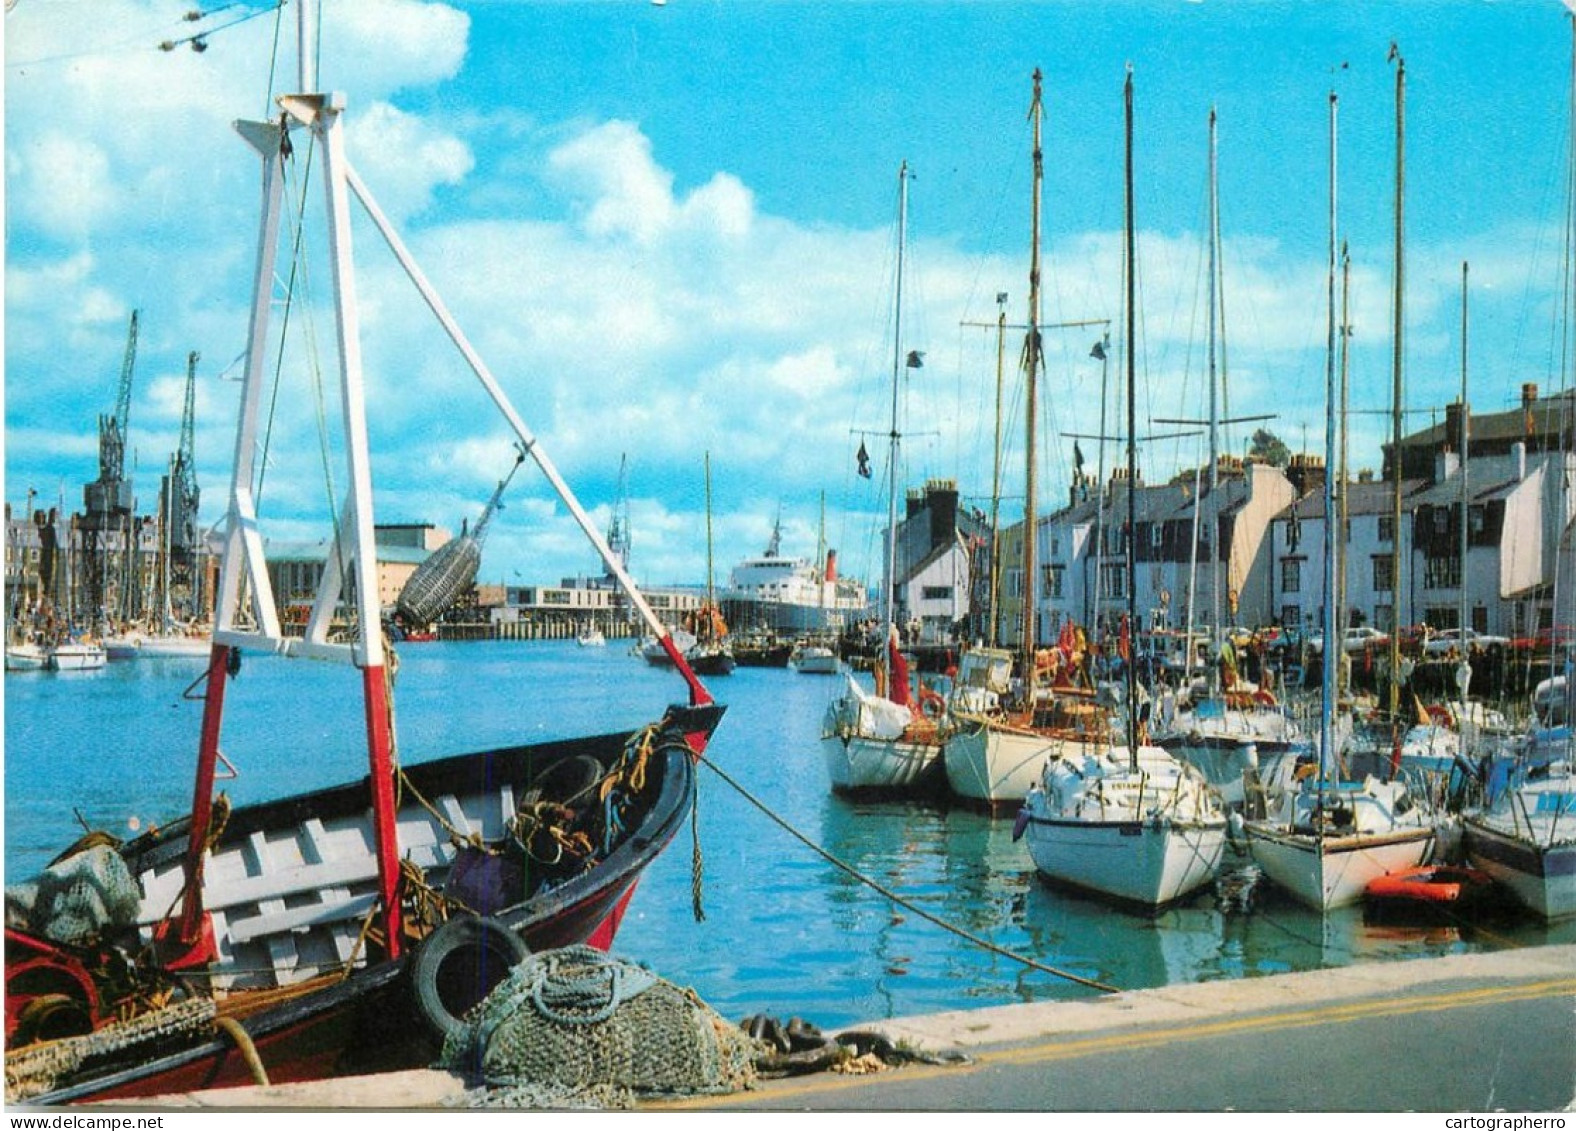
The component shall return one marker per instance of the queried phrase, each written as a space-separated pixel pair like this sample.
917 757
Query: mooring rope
894 896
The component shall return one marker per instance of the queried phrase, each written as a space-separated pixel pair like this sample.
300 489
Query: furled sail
451 569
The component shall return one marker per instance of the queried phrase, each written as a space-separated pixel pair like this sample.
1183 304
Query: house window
937 593
1291 615
1012 582
1113 579
1387 528
1382 568
1291 575
1054 580
1442 572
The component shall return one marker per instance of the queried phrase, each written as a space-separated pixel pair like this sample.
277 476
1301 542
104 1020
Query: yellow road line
1061 1049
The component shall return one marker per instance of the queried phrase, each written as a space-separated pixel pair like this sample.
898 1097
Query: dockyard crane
178 500
112 429
108 503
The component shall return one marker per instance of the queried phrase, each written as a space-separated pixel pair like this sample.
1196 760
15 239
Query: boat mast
1333 647
893 436
1339 546
711 603
1214 406
1132 433
1031 374
1396 398
995 483
1464 668
1101 350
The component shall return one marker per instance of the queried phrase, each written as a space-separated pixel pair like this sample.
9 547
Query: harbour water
785 931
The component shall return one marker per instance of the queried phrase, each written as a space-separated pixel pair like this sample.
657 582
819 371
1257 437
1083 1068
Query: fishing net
81 896
577 1028
40 1068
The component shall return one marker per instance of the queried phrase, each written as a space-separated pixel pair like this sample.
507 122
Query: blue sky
669 230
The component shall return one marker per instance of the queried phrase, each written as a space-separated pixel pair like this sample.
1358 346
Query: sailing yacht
880 741
1131 822
1003 728
1326 840
1237 732
1526 837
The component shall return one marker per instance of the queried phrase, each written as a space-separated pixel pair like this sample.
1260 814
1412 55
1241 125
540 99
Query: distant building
1201 555
296 568
1519 573
937 545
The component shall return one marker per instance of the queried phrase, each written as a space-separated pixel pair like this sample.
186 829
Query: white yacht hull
25 658
1147 863
995 766
1527 842
856 763
76 658
1334 871
157 647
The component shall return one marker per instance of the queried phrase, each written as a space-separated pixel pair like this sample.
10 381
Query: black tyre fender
458 965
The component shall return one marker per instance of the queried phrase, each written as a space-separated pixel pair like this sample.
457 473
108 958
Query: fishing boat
1325 840
295 938
889 740
1131 823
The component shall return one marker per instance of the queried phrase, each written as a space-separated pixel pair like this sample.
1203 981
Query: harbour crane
178 500
108 503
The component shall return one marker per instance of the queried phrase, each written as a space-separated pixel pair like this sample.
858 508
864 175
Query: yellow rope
233 1029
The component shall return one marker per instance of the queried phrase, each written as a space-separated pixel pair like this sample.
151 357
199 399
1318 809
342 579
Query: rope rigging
888 893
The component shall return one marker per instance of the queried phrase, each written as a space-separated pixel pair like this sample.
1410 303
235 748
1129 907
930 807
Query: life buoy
1264 697
931 705
458 965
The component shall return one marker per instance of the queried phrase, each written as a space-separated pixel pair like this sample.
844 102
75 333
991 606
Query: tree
1268 448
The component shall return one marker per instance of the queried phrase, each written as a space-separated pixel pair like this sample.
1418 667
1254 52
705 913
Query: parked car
1559 638
1356 639
1449 640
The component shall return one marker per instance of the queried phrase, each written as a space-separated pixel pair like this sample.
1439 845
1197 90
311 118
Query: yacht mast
1334 647
1394 701
1132 432
889 588
1031 375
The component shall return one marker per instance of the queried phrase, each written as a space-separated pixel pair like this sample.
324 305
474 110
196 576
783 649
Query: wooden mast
1031 376
1132 432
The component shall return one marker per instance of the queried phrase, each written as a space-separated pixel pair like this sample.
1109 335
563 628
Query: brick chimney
1458 422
